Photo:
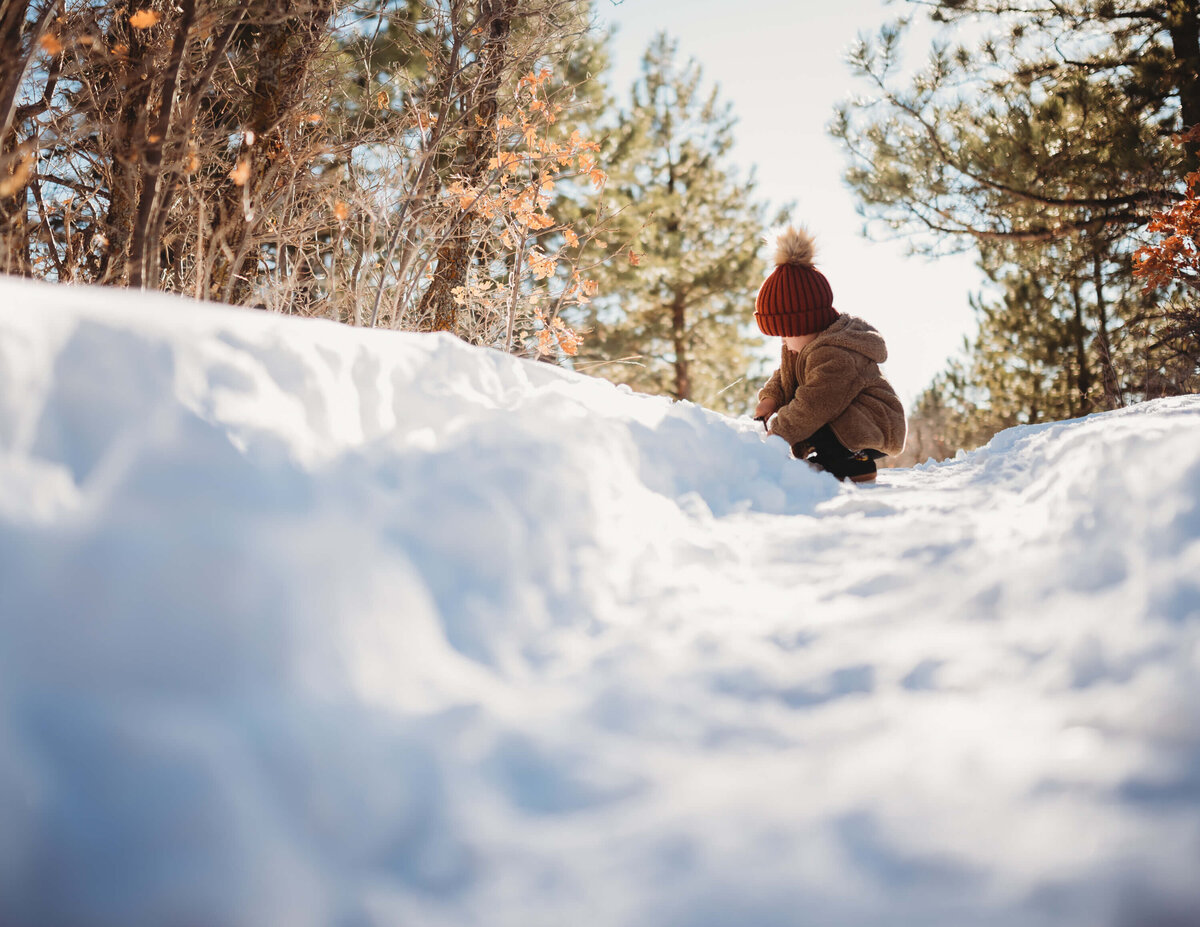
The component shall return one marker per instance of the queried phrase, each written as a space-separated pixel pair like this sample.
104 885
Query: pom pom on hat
794 246
795 299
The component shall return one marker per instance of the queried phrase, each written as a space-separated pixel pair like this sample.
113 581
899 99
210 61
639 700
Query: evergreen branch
1053 9
950 159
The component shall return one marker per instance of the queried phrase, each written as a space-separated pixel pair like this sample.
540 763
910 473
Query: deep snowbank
305 625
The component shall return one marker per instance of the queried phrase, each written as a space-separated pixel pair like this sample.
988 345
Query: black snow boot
834 457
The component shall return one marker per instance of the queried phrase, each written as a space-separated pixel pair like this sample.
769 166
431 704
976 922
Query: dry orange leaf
15 181
144 19
50 44
542 265
569 341
240 174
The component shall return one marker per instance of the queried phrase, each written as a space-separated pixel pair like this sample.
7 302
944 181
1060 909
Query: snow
301 624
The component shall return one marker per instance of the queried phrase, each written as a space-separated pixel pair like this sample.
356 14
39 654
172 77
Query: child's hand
765 409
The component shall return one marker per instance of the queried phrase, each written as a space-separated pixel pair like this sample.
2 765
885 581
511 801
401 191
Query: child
828 395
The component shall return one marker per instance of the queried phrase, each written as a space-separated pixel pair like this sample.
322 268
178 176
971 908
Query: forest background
468 167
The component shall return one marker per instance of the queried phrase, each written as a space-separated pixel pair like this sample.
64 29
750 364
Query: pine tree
1056 123
1035 356
675 314
1046 144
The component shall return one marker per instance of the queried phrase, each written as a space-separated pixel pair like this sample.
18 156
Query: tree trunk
126 146
285 50
438 307
1112 387
1083 375
19 44
1183 21
683 381
143 257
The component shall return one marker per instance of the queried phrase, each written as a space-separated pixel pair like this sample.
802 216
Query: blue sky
782 66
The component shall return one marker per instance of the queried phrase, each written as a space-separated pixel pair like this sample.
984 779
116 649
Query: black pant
834 457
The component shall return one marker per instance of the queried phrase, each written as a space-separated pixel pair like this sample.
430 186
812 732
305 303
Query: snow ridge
303 624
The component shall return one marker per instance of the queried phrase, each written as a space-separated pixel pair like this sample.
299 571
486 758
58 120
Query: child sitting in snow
828 396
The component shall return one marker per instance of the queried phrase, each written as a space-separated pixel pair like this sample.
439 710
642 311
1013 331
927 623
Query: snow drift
308 625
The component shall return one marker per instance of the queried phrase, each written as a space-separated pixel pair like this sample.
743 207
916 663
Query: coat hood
854 334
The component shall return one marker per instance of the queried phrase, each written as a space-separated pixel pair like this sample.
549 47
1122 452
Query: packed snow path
312 626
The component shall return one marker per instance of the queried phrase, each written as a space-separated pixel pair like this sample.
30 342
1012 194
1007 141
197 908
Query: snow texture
306 625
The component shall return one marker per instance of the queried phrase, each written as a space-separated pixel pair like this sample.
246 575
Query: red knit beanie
796 299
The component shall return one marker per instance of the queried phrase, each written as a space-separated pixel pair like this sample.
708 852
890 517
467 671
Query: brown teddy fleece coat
835 380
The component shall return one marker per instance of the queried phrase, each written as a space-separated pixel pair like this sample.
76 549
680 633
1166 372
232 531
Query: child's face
796 342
